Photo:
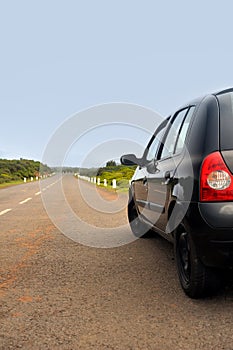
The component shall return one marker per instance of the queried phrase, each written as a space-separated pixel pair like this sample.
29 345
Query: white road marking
5 211
37 193
47 187
54 183
25 200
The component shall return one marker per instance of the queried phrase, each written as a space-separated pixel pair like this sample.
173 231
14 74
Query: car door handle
167 177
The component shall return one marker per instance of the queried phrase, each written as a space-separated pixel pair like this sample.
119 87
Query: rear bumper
221 253
215 252
217 215
211 228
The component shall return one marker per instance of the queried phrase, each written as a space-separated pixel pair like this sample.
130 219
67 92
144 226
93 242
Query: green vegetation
14 171
88 171
121 173
8 184
111 163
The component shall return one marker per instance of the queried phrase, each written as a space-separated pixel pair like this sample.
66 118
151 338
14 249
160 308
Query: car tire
196 279
139 228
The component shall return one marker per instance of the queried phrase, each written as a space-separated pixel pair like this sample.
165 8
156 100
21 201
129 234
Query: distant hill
17 169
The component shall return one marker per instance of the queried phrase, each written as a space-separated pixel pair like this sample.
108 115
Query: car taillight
216 181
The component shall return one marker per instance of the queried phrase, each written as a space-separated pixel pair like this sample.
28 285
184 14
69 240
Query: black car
183 189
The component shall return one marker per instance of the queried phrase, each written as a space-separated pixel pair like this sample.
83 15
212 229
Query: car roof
200 98
224 91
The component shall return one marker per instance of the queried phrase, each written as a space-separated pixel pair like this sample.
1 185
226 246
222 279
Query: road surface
56 293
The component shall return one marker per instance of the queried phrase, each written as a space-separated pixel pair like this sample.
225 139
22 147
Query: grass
12 183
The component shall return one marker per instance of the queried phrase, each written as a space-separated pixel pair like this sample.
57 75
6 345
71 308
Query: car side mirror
131 159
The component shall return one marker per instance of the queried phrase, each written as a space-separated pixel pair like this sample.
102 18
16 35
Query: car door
140 179
160 180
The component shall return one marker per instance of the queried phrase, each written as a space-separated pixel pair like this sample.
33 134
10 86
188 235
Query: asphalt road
56 293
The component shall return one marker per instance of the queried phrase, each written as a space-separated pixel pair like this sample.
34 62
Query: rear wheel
196 279
139 228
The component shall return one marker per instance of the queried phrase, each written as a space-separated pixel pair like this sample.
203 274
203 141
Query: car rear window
226 120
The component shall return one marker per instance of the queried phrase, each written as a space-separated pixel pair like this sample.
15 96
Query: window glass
154 146
183 132
170 141
226 120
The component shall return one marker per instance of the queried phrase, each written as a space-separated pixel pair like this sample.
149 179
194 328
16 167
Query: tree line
18 169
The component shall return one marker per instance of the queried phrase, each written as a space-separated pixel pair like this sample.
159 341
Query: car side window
183 132
155 141
171 138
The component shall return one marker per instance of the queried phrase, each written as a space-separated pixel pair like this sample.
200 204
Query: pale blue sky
60 57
